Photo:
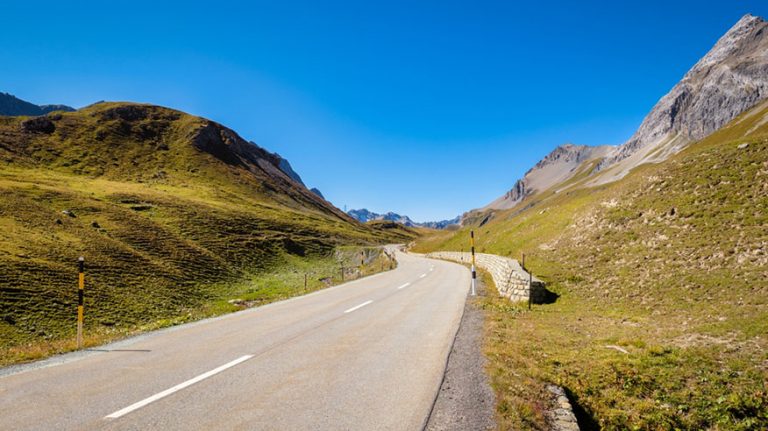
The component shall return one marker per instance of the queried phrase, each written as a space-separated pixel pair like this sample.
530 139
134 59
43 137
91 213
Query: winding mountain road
366 355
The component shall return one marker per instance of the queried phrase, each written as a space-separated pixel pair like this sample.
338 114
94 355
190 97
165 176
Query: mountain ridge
730 79
363 215
11 105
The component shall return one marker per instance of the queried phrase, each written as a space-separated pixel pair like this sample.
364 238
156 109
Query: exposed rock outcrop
731 78
556 167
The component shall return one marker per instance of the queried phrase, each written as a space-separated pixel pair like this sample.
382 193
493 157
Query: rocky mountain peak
731 78
363 215
557 166
564 153
729 43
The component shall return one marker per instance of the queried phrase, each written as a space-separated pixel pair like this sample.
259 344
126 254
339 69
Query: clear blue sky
424 108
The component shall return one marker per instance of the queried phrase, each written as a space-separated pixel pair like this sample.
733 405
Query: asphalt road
366 355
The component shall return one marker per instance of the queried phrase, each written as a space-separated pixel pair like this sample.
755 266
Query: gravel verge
465 401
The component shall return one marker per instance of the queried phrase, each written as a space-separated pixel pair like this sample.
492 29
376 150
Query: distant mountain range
13 106
731 78
363 215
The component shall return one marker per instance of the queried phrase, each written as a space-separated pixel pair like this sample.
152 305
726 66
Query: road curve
365 355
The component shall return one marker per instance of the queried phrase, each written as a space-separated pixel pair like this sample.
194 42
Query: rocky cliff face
556 167
731 78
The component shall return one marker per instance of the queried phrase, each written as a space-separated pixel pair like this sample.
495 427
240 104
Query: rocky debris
562 417
617 348
743 146
95 224
69 213
38 125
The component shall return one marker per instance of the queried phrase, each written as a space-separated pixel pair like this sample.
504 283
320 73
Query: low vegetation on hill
173 214
662 317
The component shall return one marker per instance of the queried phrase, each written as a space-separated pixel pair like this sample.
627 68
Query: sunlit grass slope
669 264
170 211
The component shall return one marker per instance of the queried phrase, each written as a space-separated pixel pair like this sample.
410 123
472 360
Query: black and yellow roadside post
80 298
474 273
362 262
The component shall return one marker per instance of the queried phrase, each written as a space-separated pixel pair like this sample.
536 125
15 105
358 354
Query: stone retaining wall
511 280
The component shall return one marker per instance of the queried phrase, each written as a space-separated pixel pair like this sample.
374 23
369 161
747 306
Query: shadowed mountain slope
12 105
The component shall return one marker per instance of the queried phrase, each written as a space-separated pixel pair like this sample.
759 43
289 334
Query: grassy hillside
670 265
172 213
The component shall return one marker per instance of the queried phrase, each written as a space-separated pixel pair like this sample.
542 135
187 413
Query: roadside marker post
530 289
530 280
80 299
474 273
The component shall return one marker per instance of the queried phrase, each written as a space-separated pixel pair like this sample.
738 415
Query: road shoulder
465 400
